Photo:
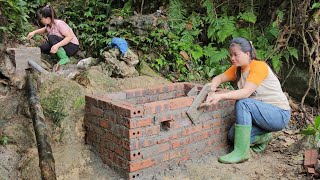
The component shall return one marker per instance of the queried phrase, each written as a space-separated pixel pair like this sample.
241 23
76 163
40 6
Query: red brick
211 124
180 93
134 93
126 111
310 157
134 166
164 138
118 150
135 155
165 117
91 101
180 102
96 111
104 124
122 163
170 155
144 122
311 170
133 133
117 95
192 129
152 130
152 91
185 122
156 107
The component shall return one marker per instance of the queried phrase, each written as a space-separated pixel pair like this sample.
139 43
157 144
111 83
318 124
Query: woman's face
238 57
45 21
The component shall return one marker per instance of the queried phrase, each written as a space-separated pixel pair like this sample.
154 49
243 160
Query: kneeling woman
61 38
261 105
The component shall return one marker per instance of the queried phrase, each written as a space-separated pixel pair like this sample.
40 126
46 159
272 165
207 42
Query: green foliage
248 16
313 130
221 28
315 6
126 11
16 13
79 102
201 29
54 107
177 15
4 140
91 24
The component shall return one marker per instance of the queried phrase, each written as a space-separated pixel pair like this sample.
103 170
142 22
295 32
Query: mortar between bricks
140 132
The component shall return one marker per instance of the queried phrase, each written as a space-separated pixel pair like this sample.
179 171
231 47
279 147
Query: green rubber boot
261 142
241 151
64 59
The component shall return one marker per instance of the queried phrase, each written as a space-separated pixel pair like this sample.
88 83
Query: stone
21 56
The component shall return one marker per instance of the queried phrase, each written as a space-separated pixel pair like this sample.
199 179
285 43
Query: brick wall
141 132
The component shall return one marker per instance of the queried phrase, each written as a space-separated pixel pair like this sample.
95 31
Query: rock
140 23
117 67
297 84
86 63
57 97
130 58
8 160
145 69
10 109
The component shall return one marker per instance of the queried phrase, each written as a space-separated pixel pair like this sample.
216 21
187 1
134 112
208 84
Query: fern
242 32
276 62
209 7
315 6
222 28
196 52
293 52
248 16
177 15
214 55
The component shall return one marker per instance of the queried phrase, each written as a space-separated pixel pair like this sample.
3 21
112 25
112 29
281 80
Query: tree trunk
46 160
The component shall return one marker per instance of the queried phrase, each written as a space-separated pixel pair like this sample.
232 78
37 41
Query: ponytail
46 12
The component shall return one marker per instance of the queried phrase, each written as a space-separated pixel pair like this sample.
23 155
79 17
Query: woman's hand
213 86
213 98
30 35
54 49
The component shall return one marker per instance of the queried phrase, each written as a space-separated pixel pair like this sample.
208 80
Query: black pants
70 48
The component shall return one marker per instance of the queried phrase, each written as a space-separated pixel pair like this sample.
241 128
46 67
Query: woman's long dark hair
45 12
246 46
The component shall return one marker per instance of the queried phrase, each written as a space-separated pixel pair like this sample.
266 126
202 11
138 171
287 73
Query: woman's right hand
213 87
30 35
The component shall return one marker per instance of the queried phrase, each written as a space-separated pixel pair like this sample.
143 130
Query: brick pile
141 132
311 162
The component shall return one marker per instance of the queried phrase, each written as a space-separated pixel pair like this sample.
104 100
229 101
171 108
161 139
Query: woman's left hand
54 49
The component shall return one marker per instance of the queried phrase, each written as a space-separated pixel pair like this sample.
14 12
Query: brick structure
141 132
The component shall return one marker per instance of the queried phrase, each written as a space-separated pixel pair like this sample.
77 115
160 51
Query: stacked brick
141 132
311 162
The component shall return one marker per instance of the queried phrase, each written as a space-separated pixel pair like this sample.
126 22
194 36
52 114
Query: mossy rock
58 97
145 69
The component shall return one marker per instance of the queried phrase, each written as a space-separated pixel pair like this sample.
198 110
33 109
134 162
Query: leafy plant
79 102
313 130
53 107
91 25
15 12
4 140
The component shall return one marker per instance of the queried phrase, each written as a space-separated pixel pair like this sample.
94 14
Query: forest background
190 40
